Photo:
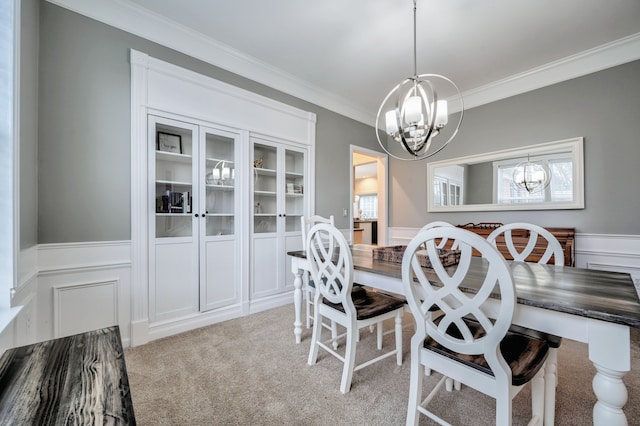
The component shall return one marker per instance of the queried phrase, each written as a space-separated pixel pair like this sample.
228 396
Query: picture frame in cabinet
169 142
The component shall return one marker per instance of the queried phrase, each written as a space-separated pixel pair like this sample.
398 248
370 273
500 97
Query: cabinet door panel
265 265
174 292
219 285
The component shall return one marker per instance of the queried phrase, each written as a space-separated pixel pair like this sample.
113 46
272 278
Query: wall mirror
485 182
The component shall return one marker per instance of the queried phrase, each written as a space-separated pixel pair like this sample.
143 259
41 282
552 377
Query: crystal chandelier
413 113
531 176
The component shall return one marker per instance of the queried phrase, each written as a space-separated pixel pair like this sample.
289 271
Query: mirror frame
573 145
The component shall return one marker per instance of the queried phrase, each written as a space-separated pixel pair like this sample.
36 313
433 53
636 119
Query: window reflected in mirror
506 180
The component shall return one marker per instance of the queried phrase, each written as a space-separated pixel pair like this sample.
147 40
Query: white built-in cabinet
202 251
192 195
279 189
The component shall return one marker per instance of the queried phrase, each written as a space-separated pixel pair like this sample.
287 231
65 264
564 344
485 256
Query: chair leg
316 335
307 291
379 335
398 334
503 405
550 383
415 385
538 397
349 360
334 334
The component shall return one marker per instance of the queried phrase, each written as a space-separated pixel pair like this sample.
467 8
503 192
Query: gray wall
28 150
84 130
479 183
84 147
603 107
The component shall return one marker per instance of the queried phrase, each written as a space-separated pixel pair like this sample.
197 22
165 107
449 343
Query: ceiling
347 55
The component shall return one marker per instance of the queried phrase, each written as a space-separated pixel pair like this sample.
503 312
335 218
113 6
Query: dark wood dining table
74 380
590 306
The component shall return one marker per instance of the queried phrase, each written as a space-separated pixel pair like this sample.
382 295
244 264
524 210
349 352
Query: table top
603 295
79 379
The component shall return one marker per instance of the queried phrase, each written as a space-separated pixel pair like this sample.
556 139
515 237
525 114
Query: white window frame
9 129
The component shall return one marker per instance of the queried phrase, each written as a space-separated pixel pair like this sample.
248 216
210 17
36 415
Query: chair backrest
536 239
308 222
449 329
436 224
330 265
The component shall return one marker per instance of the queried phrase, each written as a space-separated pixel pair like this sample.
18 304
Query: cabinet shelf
294 195
172 156
211 160
172 182
220 187
264 172
270 193
173 214
294 175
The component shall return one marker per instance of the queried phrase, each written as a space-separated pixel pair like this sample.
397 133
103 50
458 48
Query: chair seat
369 303
523 353
552 340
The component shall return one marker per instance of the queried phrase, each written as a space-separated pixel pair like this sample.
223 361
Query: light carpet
249 371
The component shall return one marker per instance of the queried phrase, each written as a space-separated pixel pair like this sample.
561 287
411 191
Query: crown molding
608 55
136 20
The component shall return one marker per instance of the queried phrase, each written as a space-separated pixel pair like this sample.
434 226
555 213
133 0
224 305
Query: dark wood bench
565 236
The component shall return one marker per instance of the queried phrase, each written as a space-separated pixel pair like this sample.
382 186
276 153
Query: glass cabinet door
173 177
265 188
294 189
220 183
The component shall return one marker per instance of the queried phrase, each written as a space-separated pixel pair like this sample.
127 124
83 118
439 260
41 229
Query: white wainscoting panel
84 286
82 307
618 253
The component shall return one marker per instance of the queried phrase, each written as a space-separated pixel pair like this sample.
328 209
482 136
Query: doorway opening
369 210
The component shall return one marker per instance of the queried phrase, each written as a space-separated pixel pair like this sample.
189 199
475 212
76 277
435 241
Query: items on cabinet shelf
174 202
169 142
293 188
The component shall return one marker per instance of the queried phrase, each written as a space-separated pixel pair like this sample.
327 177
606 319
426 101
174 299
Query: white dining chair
331 265
309 287
468 342
450 384
536 242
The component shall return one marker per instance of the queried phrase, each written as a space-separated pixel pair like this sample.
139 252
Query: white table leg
612 395
610 352
297 302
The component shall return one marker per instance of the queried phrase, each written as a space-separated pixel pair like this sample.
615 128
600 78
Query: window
7 85
446 192
368 204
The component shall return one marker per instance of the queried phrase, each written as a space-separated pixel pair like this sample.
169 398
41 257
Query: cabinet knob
203 214
197 215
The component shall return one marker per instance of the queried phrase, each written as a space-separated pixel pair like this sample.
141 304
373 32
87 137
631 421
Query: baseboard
270 302
199 319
